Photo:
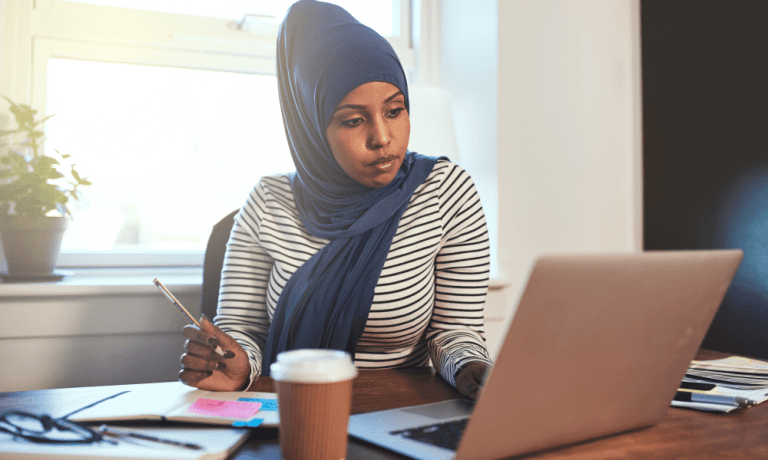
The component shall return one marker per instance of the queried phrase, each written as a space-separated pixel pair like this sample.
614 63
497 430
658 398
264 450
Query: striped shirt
428 303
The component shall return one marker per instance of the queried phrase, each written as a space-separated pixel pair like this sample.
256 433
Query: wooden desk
681 433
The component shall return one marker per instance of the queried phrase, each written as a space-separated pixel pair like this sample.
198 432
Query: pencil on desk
122 434
688 396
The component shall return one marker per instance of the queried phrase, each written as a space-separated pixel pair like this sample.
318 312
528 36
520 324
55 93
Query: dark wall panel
705 124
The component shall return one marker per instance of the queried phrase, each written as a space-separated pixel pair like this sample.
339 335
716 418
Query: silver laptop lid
598 345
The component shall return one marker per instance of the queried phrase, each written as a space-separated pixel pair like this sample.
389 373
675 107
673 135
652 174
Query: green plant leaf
28 173
12 131
44 159
43 166
33 177
40 122
54 174
17 159
5 191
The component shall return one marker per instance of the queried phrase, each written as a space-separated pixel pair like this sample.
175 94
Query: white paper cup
314 391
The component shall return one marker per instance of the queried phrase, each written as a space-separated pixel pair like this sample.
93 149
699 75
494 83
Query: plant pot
31 245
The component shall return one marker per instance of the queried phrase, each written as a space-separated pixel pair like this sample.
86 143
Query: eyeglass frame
87 435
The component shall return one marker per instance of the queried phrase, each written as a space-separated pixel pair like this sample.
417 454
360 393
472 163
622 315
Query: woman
367 247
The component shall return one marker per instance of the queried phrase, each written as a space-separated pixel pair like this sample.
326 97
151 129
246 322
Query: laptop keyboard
446 434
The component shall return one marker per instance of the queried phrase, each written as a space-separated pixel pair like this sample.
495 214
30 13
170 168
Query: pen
183 310
145 437
687 396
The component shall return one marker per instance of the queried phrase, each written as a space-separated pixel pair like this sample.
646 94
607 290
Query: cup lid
313 366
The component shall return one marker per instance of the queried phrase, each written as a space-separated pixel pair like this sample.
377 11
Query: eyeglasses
45 429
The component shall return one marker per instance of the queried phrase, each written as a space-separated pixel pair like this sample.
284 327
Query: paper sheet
218 443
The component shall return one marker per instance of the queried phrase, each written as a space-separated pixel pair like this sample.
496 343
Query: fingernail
221 365
229 354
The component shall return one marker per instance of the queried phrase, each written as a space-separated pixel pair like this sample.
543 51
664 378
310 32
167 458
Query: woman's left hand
203 368
470 378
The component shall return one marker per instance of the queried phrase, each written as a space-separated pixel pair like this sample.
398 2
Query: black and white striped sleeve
242 308
455 335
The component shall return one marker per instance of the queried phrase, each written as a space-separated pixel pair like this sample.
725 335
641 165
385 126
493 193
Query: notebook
598 345
177 402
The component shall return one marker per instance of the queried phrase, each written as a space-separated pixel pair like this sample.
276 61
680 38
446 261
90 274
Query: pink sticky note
229 409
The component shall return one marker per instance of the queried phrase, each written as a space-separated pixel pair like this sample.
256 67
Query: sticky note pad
229 409
266 404
250 424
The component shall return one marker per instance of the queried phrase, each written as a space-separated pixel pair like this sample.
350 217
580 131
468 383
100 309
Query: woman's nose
380 134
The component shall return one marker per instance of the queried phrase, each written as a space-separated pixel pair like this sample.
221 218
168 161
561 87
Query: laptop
598 345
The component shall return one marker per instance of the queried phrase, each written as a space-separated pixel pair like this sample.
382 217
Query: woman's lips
385 164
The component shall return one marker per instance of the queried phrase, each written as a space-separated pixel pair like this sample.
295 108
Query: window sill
97 281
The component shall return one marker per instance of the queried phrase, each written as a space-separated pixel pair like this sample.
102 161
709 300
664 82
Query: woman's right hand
203 368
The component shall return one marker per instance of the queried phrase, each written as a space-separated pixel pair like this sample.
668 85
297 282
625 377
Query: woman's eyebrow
362 107
399 93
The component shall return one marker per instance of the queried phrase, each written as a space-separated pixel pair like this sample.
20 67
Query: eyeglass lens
45 429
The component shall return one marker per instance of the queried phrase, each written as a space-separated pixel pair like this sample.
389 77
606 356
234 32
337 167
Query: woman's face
368 133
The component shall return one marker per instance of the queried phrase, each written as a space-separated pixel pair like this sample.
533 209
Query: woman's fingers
470 379
213 360
196 363
201 350
193 378
221 338
197 335
209 338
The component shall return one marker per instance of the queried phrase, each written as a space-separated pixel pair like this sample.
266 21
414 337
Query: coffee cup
314 392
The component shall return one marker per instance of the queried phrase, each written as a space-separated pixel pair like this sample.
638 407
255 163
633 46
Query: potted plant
33 198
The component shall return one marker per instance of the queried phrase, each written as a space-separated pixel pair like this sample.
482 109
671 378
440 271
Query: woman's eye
395 112
352 122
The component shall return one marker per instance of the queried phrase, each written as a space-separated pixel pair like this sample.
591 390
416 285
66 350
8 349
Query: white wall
468 68
546 96
468 58
93 329
569 156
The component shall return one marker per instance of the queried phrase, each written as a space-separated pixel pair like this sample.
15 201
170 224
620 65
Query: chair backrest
213 263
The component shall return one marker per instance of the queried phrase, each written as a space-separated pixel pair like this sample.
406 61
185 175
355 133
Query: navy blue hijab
323 53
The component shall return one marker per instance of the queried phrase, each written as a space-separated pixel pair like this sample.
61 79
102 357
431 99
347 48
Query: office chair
213 263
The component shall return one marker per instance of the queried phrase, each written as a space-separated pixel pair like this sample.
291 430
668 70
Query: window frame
45 29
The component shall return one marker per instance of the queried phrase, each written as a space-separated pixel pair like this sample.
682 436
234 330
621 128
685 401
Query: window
184 149
381 15
170 108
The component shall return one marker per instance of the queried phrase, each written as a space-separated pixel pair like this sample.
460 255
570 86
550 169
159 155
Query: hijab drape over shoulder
323 53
